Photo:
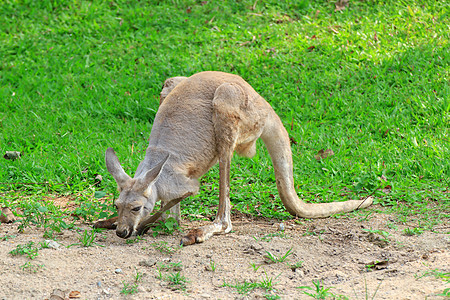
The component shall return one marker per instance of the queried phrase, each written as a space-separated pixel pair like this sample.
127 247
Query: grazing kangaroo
202 120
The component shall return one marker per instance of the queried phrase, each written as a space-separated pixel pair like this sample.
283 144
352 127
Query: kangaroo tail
276 139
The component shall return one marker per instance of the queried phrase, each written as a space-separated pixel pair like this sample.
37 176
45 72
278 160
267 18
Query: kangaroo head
137 196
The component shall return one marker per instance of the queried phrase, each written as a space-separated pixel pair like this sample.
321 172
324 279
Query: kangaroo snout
123 233
125 227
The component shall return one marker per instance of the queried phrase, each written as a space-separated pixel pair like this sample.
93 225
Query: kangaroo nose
122 234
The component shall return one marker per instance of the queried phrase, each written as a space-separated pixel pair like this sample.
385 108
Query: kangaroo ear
152 174
115 169
168 86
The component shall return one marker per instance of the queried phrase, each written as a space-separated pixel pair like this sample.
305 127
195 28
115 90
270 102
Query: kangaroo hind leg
227 119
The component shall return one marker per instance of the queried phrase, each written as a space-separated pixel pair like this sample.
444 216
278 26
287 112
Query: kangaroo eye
138 208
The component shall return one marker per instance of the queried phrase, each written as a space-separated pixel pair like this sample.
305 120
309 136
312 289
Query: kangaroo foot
199 235
193 236
106 224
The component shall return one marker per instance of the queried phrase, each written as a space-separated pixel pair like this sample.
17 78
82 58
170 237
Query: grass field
370 82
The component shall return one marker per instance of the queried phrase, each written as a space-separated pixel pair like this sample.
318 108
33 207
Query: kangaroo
202 120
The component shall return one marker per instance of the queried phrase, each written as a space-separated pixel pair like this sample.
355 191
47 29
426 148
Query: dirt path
335 251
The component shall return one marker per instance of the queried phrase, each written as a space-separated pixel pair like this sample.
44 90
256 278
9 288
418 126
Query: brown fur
202 120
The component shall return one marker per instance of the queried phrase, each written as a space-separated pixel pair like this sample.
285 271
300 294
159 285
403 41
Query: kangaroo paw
199 235
107 224
194 236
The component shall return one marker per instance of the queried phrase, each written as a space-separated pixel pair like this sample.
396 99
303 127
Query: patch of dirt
339 252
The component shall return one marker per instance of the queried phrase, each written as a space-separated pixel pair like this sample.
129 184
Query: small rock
281 227
57 294
206 296
118 271
148 263
253 248
52 244
208 255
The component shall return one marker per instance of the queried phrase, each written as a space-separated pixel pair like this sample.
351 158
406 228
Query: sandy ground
335 251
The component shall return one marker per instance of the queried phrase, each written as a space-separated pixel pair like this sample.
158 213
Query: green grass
32 268
28 249
320 292
170 266
174 278
132 288
265 283
271 258
445 276
212 266
87 238
177 281
370 82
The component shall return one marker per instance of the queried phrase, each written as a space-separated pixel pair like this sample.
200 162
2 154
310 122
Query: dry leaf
341 5
98 179
248 42
6 215
74 294
387 189
322 154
